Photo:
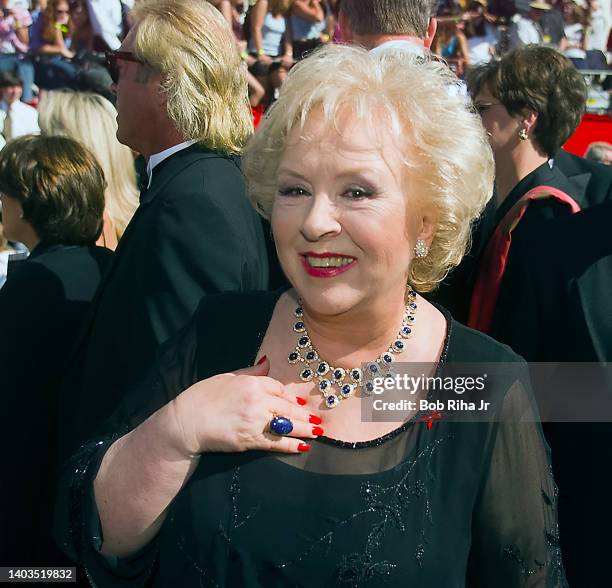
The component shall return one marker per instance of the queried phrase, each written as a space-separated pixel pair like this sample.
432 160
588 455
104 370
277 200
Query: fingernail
301 401
318 431
263 358
303 447
314 420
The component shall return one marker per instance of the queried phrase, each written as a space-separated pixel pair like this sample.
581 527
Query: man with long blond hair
182 104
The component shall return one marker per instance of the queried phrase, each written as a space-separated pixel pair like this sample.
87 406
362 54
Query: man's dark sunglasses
112 57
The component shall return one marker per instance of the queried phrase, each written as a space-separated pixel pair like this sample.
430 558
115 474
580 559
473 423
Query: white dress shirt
399 45
24 120
157 158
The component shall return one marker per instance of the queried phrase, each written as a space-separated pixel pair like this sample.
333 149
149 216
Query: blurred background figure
92 120
481 35
576 19
269 29
600 151
451 43
308 26
51 43
52 194
108 23
16 118
14 45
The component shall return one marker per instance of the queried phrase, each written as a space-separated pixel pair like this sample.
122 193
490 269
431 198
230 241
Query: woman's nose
321 219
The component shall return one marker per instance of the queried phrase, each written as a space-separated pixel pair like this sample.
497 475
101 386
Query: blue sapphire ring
281 425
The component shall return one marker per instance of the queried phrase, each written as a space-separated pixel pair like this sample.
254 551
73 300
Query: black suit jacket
194 233
564 305
42 307
595 178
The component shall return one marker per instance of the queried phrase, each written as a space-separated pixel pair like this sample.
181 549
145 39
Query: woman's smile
326 265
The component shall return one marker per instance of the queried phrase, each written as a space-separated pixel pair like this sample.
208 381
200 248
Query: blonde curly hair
449 154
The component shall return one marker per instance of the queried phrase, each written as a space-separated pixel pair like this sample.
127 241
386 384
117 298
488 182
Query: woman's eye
358 193
293 191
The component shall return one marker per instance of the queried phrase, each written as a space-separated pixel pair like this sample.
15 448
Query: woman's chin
330 299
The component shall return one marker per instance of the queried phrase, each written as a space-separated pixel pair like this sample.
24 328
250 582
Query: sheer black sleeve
77 523
515 536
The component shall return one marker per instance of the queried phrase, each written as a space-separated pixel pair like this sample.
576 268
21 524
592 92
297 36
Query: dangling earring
421 248
522 135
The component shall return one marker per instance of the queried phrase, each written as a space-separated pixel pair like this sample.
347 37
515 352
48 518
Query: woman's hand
264 59
232 412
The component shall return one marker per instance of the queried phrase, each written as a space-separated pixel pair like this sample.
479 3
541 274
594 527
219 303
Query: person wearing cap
528 29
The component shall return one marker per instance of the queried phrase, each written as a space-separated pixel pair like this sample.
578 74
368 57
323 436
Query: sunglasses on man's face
112 57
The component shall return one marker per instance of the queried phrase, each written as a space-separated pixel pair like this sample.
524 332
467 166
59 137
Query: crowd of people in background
135 197
62 43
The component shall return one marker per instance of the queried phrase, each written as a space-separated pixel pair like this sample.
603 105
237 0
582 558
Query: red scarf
495 256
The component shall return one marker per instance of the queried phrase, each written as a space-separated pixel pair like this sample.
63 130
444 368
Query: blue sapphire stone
281 425
373 368
310 355
413 305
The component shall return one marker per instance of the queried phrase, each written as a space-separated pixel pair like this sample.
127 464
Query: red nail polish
303 447
318 431
314 420
301 401
263 358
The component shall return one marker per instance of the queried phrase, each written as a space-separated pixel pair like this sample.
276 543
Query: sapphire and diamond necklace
336 383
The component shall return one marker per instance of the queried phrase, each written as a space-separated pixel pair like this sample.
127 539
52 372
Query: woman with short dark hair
530 103
52 194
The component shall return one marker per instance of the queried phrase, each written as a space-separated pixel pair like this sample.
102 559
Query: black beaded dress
442 506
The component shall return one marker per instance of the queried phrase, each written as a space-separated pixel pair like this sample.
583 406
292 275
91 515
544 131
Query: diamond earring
522 135
421 248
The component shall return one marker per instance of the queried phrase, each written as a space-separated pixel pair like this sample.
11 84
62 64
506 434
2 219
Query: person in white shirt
16 118
528 29
106 21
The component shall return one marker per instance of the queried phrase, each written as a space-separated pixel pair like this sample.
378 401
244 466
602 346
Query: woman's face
502 128
79 14
12 214
62 12
345 218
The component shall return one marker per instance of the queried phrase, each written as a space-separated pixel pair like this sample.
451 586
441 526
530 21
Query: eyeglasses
481 107
112 57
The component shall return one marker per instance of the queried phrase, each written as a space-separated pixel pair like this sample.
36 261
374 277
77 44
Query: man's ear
345 29
432 27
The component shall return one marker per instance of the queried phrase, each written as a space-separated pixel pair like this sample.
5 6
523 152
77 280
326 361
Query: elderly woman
268 475
52 194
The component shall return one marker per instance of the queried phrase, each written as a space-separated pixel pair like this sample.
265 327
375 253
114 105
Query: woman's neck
359 335
511 168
